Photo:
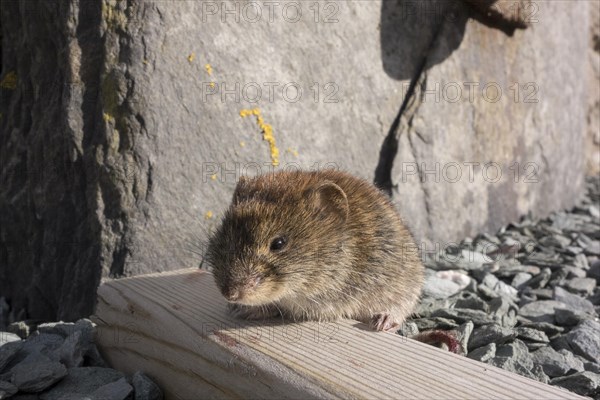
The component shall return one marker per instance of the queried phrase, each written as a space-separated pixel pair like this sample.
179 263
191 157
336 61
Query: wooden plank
174 326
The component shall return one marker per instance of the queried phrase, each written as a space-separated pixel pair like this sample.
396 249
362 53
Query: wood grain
174 326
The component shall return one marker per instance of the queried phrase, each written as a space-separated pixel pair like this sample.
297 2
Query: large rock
585 340
35 377
443 134
80 381
120 150
593 136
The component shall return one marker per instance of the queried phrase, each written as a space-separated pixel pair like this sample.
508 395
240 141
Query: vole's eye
278 243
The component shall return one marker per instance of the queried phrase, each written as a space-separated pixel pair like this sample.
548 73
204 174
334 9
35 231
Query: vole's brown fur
347 253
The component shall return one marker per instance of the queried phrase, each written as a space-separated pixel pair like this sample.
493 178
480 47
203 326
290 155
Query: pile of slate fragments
527 299
59 361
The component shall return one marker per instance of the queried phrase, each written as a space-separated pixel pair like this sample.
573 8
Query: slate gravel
531 292
59 361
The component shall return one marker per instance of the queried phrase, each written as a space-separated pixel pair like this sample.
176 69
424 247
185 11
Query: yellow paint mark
208 215
212 84
9 81
242 143
292 151
191 57
208 68
267 131
213 177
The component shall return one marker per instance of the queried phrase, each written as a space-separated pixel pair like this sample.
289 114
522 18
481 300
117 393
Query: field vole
315 246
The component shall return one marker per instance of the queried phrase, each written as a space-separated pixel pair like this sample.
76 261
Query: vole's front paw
252 312
384 322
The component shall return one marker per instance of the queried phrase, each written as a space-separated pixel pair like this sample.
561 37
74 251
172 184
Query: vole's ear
241 190
331 199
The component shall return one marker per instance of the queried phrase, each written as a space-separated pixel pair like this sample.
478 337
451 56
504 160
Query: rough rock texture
28 377
8 352
119 390
7 389
59 361
82 381
118 155
581 383
490 334
54 181
585 340
145 388
555 363
593 113
514 357
483 353
504 15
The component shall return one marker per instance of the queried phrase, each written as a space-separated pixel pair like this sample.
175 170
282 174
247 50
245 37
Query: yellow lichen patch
212 84
267 131
108 118
9 81
213 177
292 151
208 215
209 69
145 61
113 16
191 57
242 143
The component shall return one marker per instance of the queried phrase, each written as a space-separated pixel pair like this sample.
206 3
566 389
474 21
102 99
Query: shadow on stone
408 29
414 37
418 35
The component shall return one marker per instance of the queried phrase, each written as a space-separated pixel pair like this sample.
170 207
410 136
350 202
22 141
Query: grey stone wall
593 116
120 150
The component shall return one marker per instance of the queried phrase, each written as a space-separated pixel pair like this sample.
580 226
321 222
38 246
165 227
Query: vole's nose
238 291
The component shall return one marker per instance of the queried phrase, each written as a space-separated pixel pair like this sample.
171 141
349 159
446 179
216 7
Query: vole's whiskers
280 312
193 246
